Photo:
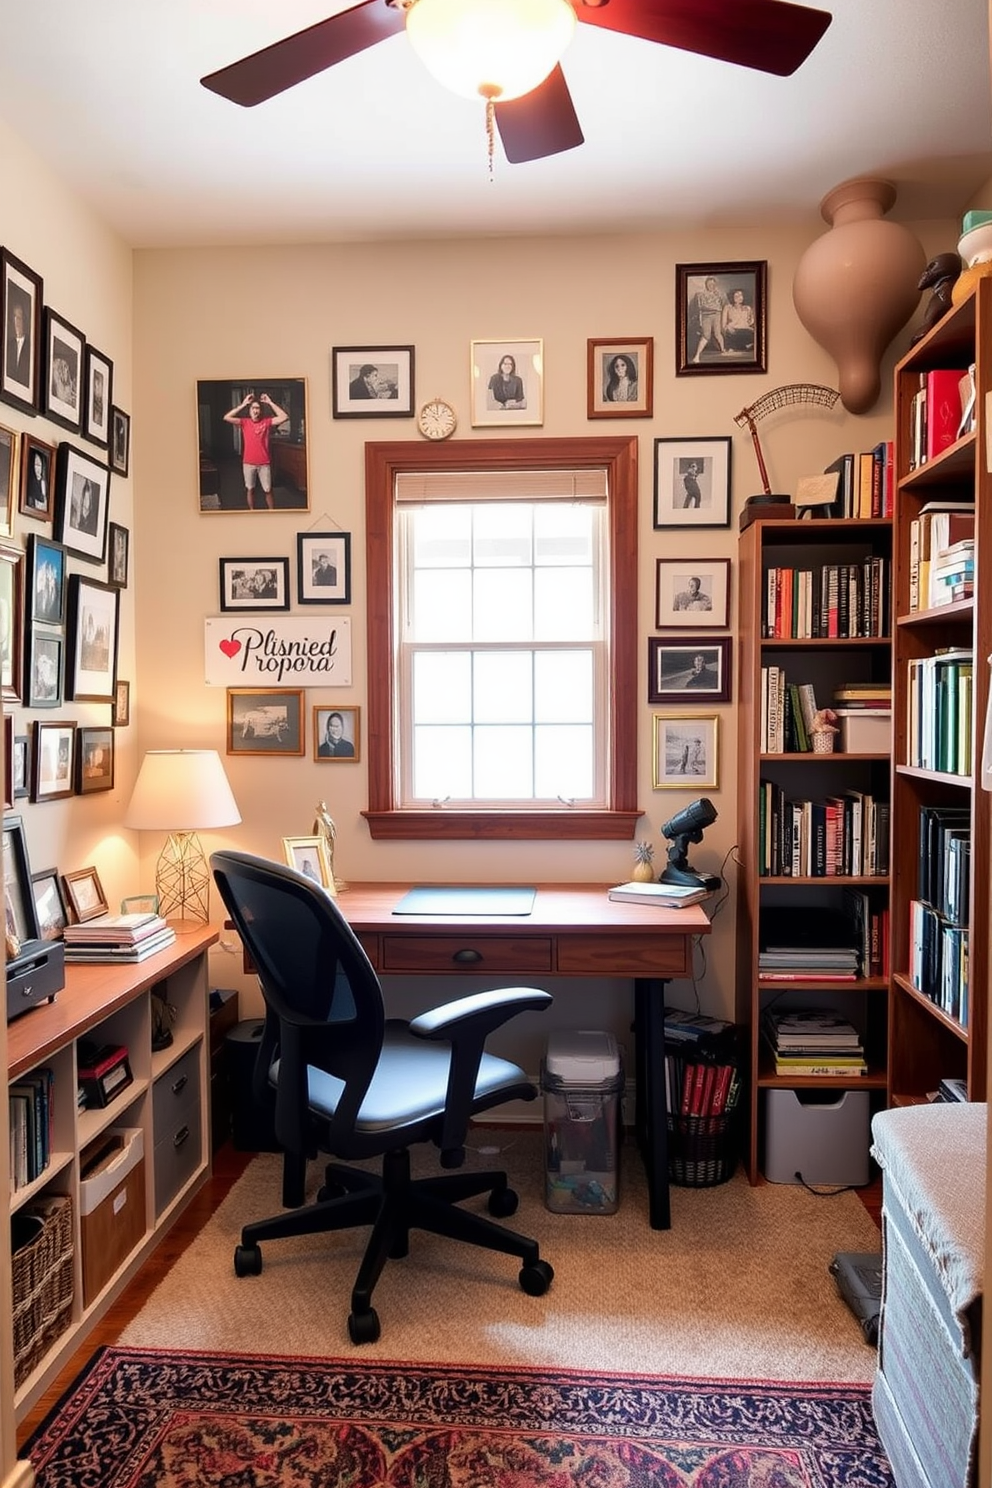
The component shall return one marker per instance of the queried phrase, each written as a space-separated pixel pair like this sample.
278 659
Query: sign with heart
280 651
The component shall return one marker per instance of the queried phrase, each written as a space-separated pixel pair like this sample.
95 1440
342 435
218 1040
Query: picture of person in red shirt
256 457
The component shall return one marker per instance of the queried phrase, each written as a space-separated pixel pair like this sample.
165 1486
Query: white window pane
563 687
564 533
442 536
441 609
503 535
564 605
442 687
504 767
563 763
442 763
503 687
503 605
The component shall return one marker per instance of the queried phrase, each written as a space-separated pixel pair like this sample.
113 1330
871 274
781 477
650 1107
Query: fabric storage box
41 1267
865 730
825 1136
925 1394
582 1080
111 1204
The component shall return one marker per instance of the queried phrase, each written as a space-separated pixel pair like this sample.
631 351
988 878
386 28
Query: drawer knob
180 1084
182 1136
467 957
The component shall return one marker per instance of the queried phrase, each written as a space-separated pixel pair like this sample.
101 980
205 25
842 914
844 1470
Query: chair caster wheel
536 1278
247 1260
363 1327
502 1203
330 1191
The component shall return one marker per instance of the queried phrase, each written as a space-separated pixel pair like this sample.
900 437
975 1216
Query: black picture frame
692 593
63 389
120 441
121 706
95 755
249 584
11 621
702 334
676 675
82 503
9 481
91 644
97 397
387 393
323 568
118 554
21 294
49 903
52 778
20 771
36 487
692 481
21 917
46 581
44 667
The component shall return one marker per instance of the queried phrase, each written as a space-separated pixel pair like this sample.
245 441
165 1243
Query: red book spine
943 409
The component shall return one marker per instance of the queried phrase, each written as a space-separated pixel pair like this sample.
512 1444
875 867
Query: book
663 895
943 409
125 929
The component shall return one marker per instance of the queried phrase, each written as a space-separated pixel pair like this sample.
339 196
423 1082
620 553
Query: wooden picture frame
45 585
91 648
84 894
254 584
97 398
54 760
36 484
323 568
121 705
118 554
44 667
65 369
308 855
685 751
82 503
507 381
11 622
21 299
95 757
720 318
223 412
49 904
609 392
336 734
372 381
692 593
692 482
693 667
20 916
9 479
265 720
20 768
120 441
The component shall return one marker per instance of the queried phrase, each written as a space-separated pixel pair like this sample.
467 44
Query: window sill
491 826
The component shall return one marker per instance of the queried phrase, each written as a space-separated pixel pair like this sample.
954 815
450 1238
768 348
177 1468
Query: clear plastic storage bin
582 1081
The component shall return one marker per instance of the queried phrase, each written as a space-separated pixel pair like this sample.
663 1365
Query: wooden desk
573 930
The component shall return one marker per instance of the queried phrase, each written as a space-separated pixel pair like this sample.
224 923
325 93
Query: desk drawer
636 953
468 955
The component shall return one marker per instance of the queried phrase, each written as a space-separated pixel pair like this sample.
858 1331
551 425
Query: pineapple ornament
643 869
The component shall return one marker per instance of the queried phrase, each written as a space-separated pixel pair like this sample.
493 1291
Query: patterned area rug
155 1419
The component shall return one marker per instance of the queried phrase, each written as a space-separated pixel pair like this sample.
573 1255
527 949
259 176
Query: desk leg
651 1113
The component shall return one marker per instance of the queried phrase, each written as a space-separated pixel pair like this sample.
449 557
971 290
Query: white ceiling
108 92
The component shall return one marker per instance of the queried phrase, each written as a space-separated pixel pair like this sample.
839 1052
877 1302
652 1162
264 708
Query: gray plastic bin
582 1081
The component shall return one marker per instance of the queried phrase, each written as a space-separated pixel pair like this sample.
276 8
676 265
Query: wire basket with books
703 1087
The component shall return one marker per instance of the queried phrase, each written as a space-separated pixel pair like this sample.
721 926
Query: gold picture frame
308 855
685 752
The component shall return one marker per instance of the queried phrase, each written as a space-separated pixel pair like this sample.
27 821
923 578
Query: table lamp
180 791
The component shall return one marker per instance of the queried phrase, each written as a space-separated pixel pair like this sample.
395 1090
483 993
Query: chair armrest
484 1011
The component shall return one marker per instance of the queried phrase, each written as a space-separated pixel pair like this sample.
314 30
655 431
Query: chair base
394 1203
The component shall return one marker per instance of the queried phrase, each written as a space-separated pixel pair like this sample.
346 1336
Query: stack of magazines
813 1043
123 937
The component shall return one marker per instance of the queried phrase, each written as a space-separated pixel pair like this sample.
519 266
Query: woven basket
41 1239
702 1150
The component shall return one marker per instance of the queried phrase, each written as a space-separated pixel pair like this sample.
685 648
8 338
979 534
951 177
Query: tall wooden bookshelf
928 1042
828 663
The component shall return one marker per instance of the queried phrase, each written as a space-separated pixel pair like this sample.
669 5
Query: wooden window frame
387 821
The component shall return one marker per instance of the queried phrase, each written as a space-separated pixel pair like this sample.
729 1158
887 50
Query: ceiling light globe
494 49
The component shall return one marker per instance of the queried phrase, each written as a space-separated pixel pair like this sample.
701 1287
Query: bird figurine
939 277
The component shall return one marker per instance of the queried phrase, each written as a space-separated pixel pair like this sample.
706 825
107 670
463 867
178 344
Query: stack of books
869 696
807 944
664 895
117 938
813 1043
952 574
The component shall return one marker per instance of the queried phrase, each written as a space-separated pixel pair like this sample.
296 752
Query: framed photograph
36 488
140 904
84 894
11 621
94 760
254 583
8 479
336 733
692 593
21 298
252 444
20 757
96 402
697 665
720 318
49 904
8 762
43 668
309 855
507 383
620 378
82 503
91 649
120 441
323 568
264 721
372 381
64 375
54 756
685 751
692 482
21 921
122 704
118 550
46 576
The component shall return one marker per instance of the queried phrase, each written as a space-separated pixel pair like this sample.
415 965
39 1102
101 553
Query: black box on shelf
35 975
104 1071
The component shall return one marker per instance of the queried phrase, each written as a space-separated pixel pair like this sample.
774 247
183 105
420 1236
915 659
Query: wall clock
437 419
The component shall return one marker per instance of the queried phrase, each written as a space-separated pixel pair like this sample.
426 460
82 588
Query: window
502 615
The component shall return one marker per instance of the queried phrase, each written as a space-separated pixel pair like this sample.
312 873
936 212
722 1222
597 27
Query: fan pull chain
490 132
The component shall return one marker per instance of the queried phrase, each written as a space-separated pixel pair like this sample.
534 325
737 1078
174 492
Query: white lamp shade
494 49
181 790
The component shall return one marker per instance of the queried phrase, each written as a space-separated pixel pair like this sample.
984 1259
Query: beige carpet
738 1287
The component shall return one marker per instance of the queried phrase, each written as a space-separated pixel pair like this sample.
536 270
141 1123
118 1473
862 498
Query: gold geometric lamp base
182 879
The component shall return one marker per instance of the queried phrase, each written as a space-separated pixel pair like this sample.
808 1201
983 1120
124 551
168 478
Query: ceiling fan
535 118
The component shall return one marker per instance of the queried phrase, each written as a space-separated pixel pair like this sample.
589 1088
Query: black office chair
354 1084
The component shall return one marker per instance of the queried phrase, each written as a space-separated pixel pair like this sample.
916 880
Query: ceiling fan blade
768 35
296 58
543 122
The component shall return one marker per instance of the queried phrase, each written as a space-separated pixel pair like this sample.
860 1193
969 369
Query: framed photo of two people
720 318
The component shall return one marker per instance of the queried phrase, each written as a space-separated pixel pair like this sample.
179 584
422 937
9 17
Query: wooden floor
228 1165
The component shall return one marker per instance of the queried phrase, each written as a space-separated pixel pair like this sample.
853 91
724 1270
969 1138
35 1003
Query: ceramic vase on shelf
856 287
